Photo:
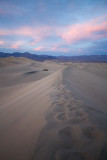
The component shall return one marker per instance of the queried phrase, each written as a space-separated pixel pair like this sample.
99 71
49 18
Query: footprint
58 108
62 116
78 120
71 107
93 133
66 154
62 154
81 114
65 133
72 135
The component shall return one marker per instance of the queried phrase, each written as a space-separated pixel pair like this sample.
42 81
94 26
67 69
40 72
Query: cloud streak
87 31
52 47
1 42
17 45
91 30
38 33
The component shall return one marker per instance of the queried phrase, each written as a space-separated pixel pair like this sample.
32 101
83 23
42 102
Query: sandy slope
12 61
76 123
22 117
24 71
25 96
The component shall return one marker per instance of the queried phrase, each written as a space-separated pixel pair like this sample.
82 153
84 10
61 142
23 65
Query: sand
56 115
25 97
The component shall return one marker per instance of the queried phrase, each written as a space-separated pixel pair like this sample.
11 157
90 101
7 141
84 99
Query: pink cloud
41 48
37 33
3 32
16 45
91 30
54 47
58 48
25 31
1 42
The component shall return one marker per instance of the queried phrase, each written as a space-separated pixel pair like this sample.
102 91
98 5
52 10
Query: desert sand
59 114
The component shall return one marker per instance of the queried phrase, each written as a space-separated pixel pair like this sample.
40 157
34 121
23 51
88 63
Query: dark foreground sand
59 117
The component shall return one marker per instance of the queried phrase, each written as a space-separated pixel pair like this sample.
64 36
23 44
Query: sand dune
11 61
76 124
26 71
56 115
24 101
22 117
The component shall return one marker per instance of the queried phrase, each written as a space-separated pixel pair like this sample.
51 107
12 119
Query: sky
54 27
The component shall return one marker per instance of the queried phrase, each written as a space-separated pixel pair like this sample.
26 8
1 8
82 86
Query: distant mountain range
83 58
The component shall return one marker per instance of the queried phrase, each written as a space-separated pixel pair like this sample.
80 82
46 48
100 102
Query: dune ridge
70 132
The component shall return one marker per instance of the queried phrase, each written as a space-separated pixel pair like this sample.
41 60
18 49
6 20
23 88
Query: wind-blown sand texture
56 115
